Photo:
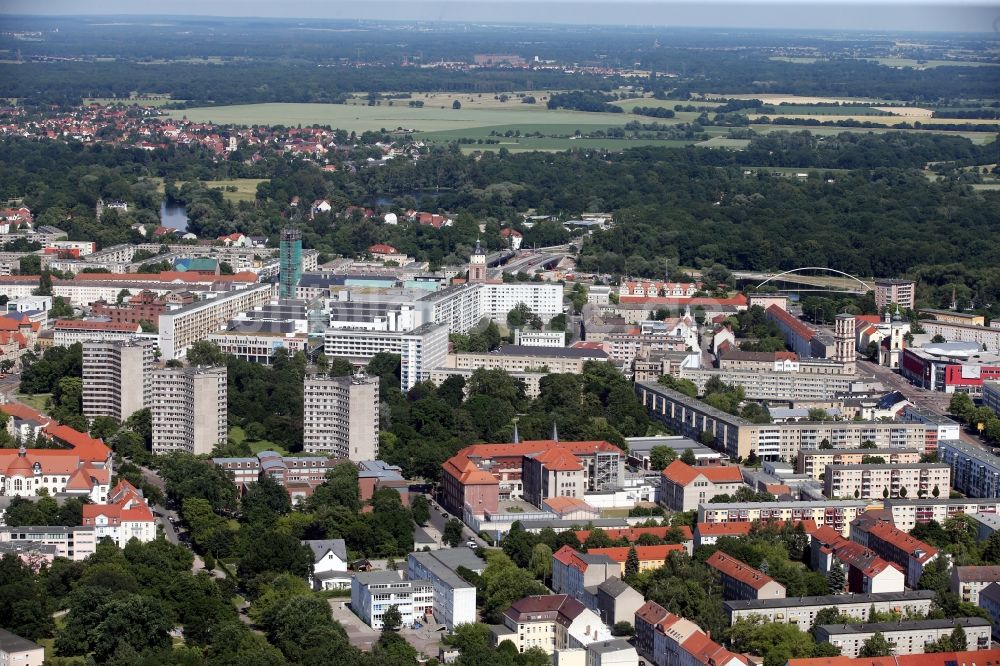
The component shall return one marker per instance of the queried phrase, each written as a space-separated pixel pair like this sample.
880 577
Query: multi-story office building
421 349
532 338
259 347
803 610
341 416
513 358
907 513
66 332
374 592
738 437
116 377
814 462
189 409
181 328
975 471
290 257
683 487
889 291
74 543
879 481
454 597
910 637
837 514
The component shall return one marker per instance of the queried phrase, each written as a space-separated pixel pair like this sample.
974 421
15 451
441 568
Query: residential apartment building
116 377
531 381
837 514
341 416
867 572
683 487
802 611
907 637
665 639
889 291
126 516
181 328
989 600
907 513
777 385
374 592
984 336
73 542
975 471
878 481
967 582
87 288
514 358
991 395
650 557
454 597
742 581
66 332
814 462
738 437
551 622
910 554
421 349
189 409
578 574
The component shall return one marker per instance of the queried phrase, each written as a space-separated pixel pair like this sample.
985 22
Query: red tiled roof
561 607
732 567
791 322
165 276
724 529
908 544
970 658
562 504
682 474
86 447
632 534
23 412
645 553
382 248
558 460
651 612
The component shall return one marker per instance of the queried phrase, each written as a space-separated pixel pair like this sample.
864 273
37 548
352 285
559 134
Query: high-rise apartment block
900 292
290 262
189 409
341 416
116 376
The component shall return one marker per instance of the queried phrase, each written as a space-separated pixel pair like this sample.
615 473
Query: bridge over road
831 280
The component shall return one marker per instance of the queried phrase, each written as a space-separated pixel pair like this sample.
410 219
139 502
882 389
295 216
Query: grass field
246 188
474 101
36 401
829 110
238 435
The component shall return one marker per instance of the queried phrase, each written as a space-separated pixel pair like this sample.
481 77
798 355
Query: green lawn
36 401
238 435
246 188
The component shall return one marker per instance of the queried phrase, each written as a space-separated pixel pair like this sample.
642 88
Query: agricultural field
880 119
830 110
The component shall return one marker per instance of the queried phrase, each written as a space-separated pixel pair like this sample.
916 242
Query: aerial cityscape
499 333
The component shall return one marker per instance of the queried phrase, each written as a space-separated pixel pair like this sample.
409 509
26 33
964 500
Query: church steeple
477 264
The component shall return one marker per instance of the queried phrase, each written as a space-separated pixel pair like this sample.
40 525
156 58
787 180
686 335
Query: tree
876 646
453 532
631 563
660 457
688 457
134 624
541 561
956 641
837 579
825 444
623 628
868 444
961 405
60 308
205 353
392 619
456 105
421 509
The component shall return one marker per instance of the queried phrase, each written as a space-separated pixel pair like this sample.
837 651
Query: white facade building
374 592
190 409
341 416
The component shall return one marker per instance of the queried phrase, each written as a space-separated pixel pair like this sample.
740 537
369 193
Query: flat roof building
341 416
908 637
189 409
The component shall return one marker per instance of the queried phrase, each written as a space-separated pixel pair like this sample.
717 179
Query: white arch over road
861 282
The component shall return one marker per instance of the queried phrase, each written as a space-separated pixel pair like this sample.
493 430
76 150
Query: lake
173 216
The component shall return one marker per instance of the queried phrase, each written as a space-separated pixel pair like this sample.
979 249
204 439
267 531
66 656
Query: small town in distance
611 355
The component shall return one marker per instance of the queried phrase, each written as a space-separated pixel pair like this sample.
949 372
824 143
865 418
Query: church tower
477 264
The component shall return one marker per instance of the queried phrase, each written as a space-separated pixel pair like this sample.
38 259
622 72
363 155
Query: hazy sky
939 15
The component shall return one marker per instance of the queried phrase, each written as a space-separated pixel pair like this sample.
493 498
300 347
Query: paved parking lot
359 634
